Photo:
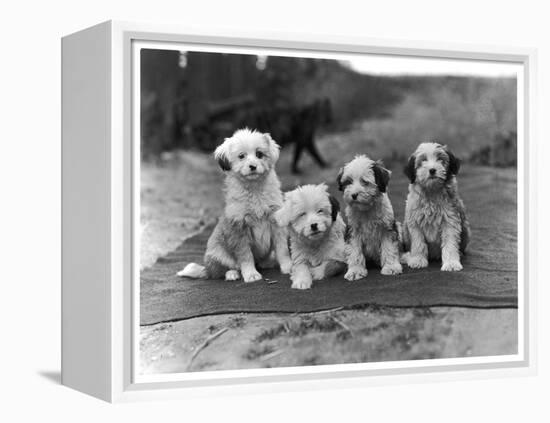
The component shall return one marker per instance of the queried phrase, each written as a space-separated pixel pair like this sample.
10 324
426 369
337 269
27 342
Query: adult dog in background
317 245
247 234
298 126
435 225
372 229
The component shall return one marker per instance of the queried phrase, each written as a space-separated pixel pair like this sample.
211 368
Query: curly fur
316 231
435 226
246 235
372 230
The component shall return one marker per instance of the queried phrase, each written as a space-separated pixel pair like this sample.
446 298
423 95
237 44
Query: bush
467 117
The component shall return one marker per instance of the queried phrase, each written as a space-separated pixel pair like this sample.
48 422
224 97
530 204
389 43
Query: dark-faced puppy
435 224
316 231
371 223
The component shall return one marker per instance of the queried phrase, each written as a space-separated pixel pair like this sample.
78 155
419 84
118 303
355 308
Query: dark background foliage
192 100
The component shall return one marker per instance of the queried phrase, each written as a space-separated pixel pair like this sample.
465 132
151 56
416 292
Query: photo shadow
53 376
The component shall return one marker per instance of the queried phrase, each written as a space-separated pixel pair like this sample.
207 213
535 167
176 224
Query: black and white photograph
275 211
272 212
308 209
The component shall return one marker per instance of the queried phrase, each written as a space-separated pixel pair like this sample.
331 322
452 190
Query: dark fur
224 163
453 166
410 169
339 179
381 176
348 233
335 207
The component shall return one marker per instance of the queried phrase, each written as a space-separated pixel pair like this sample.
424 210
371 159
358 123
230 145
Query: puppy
317 245
247 233
435 224
372 230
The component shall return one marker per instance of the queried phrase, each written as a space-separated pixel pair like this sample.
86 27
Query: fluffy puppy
247 233
317 245
435 224
372 230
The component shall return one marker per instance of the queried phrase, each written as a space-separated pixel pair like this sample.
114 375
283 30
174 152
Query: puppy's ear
282 216
339 179
274 148
335 207
410 169
454 164
220 154
381 175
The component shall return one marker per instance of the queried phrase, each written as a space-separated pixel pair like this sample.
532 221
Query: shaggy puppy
316 234
372 229
246 234
435 224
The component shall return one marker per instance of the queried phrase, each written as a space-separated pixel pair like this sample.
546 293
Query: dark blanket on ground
489 278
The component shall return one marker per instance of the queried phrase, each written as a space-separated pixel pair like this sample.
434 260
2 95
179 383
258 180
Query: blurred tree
160 78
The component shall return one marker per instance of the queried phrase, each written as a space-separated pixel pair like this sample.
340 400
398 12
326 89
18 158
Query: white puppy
435 224
317 245
247 233
372 230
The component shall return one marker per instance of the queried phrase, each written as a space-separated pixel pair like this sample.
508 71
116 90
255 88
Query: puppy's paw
299 283
232 275
286 267
417 262
355 273
451 266
252 276
318 273
392 269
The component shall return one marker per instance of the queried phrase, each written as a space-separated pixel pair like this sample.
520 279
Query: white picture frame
98 270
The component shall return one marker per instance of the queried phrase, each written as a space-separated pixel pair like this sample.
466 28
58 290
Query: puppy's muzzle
314 230
252 171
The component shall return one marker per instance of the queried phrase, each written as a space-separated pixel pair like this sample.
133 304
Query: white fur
371 223
435 225
192 270
316 239
246 234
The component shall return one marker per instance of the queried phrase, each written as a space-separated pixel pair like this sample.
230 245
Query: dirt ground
180 195
245 341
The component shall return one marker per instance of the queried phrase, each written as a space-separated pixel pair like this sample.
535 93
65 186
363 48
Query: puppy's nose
432 171
314 226
354 196
252 167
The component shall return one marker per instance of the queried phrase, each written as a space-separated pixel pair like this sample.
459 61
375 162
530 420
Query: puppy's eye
365 182
301 215
346 183
259 154
242 156
320 211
